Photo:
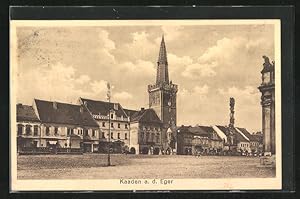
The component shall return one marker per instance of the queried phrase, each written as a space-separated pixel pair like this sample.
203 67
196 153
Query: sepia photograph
145 104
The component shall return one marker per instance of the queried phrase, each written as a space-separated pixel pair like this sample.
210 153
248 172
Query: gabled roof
64 113
224 129
210 130
26 113
129 112
238 135
249 135
145 115
102 107
197 130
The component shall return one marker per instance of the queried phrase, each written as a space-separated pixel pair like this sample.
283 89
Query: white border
179 184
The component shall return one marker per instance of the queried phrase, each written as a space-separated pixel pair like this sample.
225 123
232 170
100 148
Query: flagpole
108 97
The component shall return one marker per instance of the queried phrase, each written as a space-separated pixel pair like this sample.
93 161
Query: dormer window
116 106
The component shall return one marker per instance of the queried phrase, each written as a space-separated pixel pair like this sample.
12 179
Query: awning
52 142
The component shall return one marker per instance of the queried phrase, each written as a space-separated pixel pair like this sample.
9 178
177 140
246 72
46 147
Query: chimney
81 109
85 103
19 105
55 105
142 108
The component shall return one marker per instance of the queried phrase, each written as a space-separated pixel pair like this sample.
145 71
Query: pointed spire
162 75
162 57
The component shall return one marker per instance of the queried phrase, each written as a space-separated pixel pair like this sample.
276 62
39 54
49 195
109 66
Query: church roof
146 115
162 75
63 113
102 107
26 113
162 57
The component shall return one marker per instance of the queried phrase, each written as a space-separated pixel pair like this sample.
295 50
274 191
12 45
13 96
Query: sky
209 63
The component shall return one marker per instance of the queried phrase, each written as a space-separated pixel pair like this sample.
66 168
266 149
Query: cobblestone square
92 166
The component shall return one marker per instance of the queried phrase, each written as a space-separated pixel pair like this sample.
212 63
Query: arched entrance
132 150
156 151
145 150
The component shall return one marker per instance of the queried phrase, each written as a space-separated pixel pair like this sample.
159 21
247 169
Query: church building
162 99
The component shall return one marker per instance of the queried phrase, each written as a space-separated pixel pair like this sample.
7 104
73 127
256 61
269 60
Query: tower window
126 127
112 125
119 125
111 116
103 135
112 135
103 124
119 136
125 136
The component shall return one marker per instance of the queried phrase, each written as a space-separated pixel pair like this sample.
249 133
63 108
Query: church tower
162 94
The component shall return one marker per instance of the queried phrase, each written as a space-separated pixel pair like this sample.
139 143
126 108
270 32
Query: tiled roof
96 107
145 115
64 113
238 137
249 135
210 131
129 112
26 113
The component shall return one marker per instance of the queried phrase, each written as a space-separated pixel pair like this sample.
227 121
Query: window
112 135
103 124
111 116
35 130
126 127
70 131
55 131
119 125
112 125
93 133
47 131
20 129
28 129
119 136
157 137
103 135
125 136
85 132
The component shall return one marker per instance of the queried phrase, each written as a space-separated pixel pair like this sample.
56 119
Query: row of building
96 126
50 126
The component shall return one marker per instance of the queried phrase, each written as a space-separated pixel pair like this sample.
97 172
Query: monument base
267 160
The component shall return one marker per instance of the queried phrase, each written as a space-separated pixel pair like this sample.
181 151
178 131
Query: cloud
122 96
59 82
